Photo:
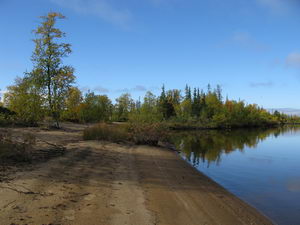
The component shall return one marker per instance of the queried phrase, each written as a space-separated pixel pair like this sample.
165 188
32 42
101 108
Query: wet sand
100 183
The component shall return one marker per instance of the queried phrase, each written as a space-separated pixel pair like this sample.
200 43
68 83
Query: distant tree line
195 108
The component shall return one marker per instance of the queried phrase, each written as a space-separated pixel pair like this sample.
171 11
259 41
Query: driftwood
60 147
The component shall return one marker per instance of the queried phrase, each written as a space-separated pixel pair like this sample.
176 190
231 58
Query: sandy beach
101 183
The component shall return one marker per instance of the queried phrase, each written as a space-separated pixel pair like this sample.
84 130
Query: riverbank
105 183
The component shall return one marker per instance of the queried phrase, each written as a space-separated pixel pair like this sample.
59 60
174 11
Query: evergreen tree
195 104
219 93
188 94
208 89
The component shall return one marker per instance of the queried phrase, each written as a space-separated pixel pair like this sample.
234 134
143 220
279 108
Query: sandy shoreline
112 184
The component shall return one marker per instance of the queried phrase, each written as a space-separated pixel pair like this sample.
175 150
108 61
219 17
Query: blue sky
250 47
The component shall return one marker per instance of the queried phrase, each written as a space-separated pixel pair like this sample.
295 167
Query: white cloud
293 60
100 8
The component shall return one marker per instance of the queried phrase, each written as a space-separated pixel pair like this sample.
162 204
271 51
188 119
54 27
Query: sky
249 47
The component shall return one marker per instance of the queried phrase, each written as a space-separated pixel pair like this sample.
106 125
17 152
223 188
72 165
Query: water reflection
261 166
208 146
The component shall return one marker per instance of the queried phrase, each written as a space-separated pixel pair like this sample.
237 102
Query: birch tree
54 78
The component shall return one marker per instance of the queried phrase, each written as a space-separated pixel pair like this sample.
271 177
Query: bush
148 133
106 132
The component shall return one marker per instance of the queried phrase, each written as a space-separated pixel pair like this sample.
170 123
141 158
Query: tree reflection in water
209 145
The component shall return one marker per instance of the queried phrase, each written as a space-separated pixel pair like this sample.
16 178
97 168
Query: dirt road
110 184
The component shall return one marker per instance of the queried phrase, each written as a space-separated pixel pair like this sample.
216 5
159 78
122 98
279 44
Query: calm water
261 167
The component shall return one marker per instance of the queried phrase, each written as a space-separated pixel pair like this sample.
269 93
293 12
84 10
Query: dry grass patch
16 150
107 132
139 133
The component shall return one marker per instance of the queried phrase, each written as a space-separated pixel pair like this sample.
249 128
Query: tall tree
54 77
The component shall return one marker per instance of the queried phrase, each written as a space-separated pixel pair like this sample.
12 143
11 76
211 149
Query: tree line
195 108
49 92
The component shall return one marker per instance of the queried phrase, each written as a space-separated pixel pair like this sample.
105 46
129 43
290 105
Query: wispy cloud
274 5
261 84
104 90
293 60
103 9
246 40
84 89
101 89
279 6
137 88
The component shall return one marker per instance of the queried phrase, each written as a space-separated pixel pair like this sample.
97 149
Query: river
260 166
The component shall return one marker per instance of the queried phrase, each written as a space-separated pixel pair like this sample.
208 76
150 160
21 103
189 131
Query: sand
100 183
